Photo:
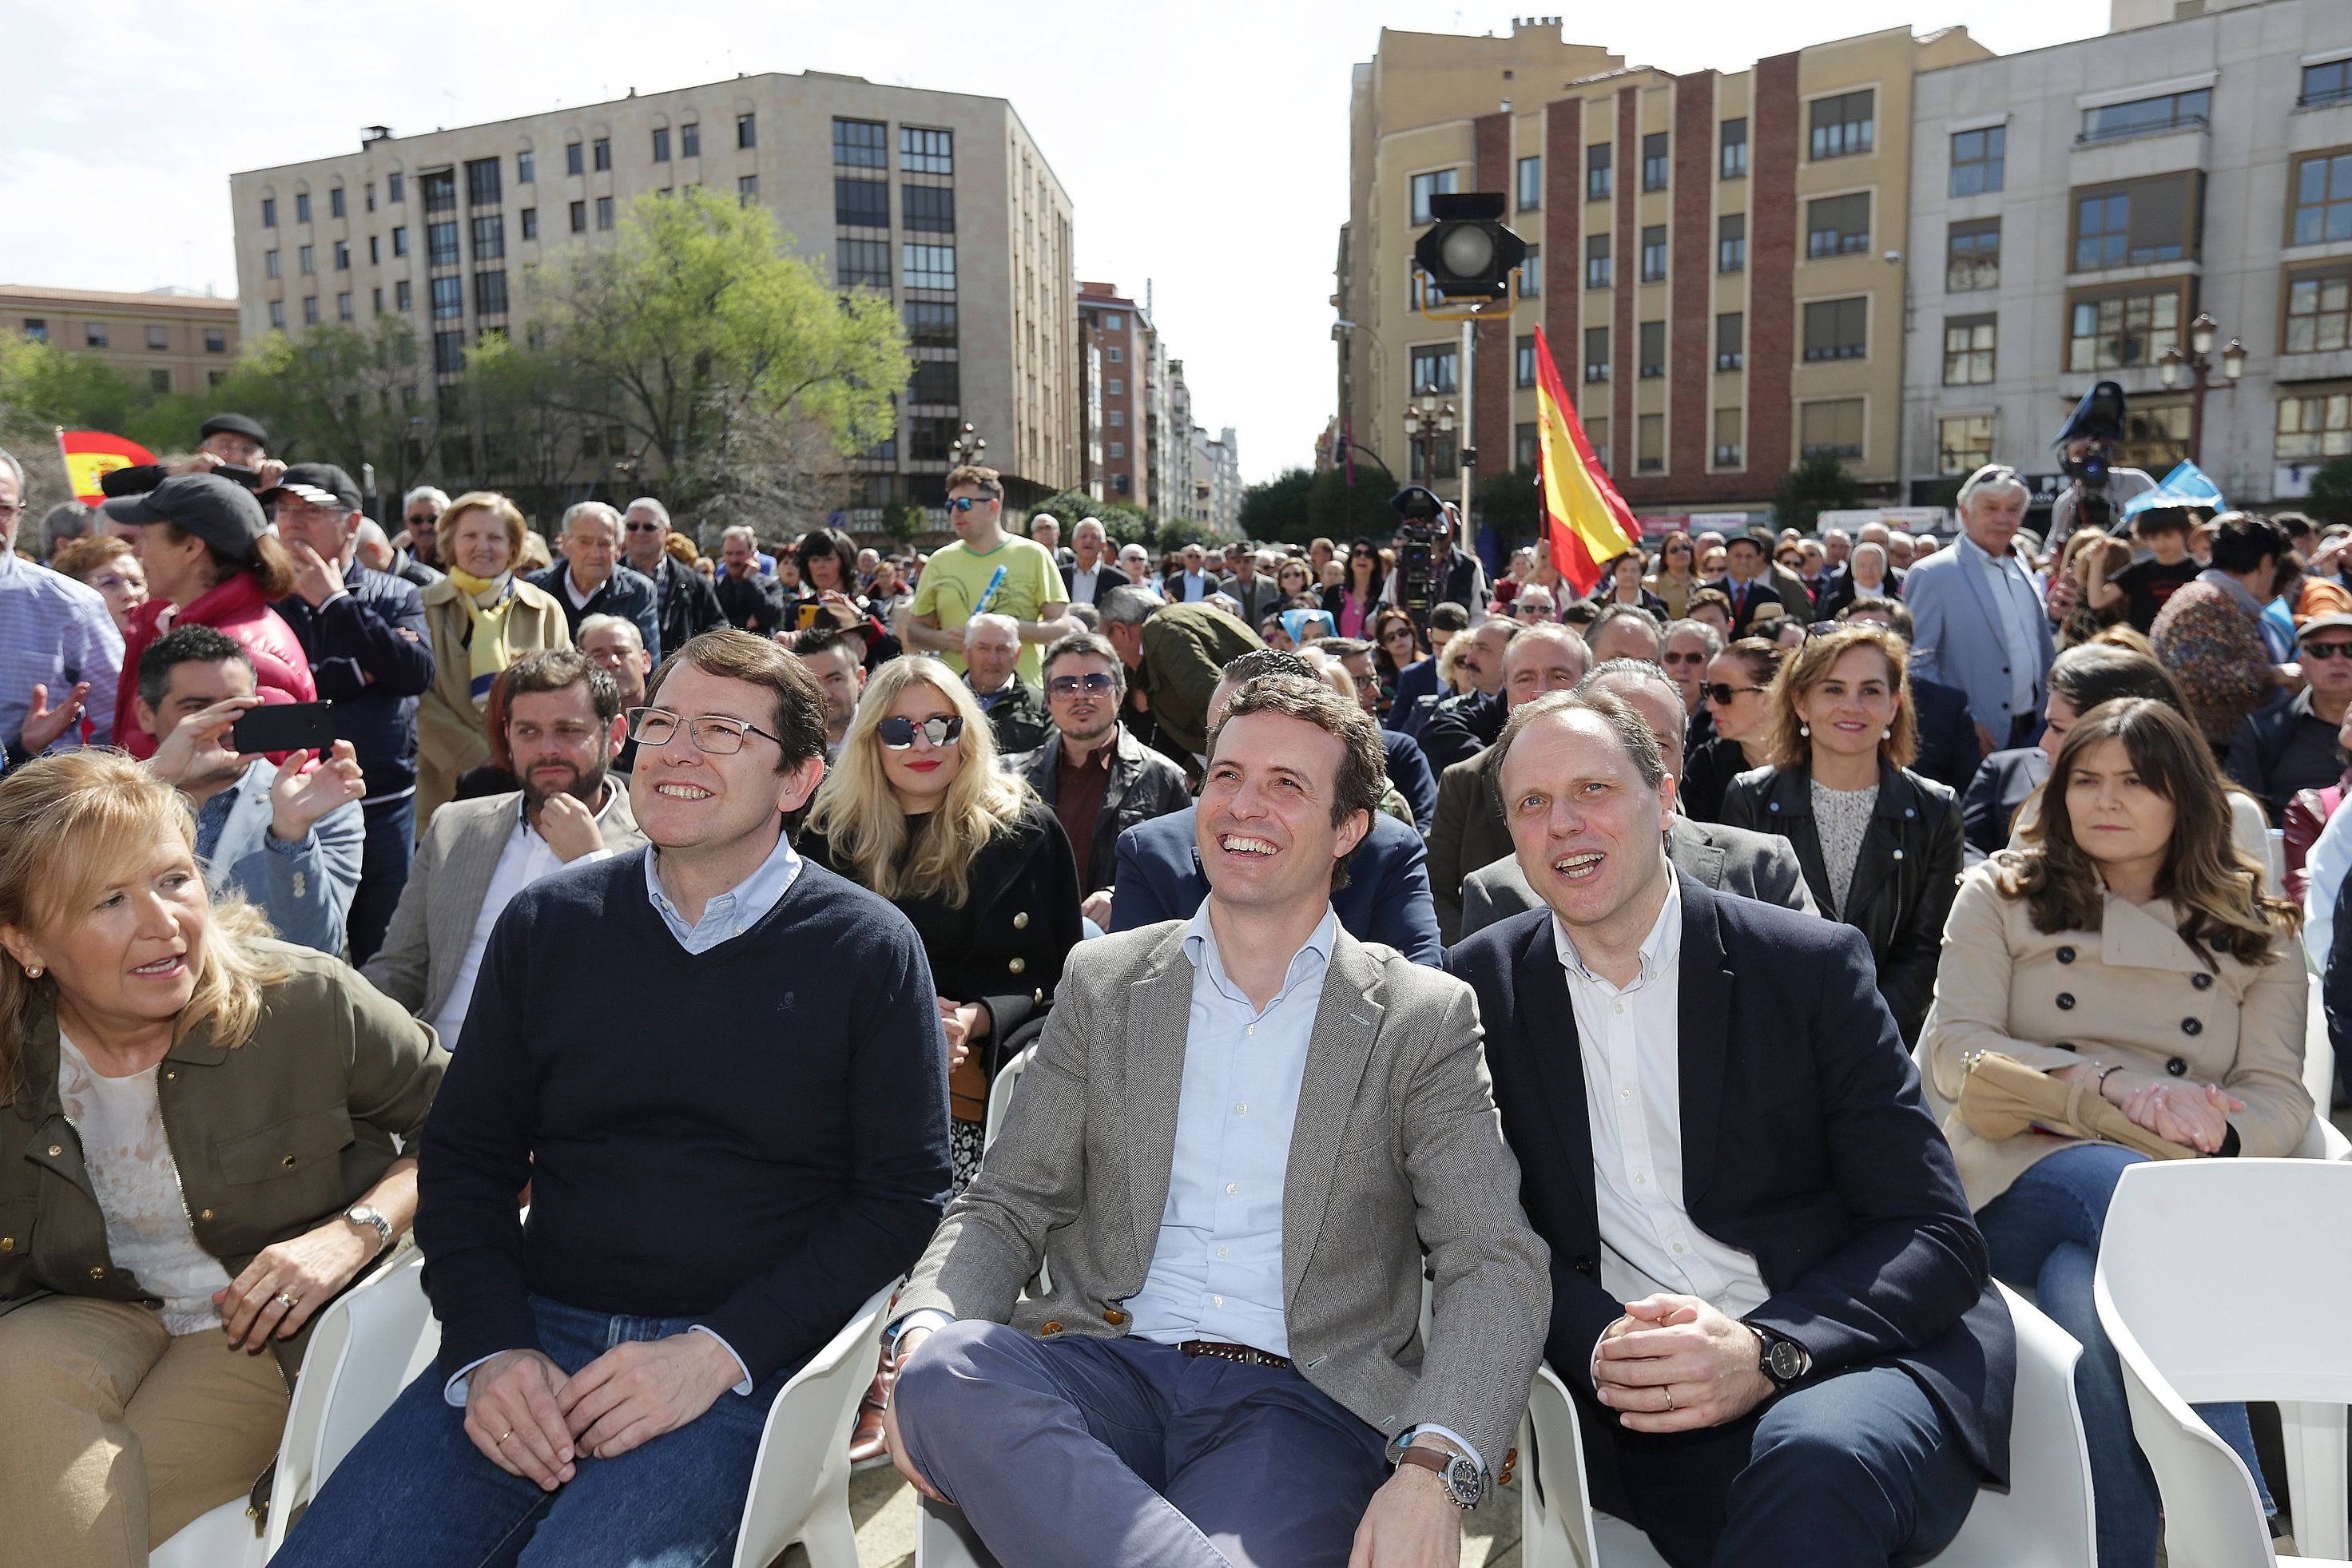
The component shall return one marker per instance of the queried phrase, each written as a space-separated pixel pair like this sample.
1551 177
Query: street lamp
2198 363
1426 419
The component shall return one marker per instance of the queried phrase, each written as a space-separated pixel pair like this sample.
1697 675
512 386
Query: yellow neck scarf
487 601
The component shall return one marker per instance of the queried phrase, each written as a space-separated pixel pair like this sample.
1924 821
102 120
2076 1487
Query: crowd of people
648 937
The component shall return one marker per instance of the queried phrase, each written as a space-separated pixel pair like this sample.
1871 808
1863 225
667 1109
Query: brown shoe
868 1447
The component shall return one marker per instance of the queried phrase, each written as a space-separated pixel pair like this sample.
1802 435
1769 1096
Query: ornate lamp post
2198 363
1426 419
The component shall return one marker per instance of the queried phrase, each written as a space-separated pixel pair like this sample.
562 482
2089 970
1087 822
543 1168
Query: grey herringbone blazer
1397 1149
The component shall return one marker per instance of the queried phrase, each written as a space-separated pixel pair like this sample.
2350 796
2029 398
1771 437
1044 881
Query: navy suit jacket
1418 679
1410 772
1805 1142
1948 748
1387 898
373 676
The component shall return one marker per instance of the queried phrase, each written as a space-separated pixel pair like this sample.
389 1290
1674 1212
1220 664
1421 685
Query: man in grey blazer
1238 1136
564 727
1977 622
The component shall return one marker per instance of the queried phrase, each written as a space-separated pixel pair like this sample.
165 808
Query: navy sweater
755 1137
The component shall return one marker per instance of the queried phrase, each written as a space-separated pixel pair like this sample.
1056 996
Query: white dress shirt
523 860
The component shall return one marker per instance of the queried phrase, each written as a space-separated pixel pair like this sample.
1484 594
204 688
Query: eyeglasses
1398 635
647 528
1671 657
714 735
898 733
966 503
2327 649
1720 694
1071 685
423 519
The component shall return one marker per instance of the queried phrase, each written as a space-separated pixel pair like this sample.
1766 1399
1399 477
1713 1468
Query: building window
402 297
214 378
1650 443
1654 252
1963 443
1969 350
1832 429
440 245
1842 125
526 168
370 195
2318 307
1437 460
306 260
2115 329
2156 436
215 341
1116 419
483 188
1523 357
661 144
489 293
1976 160
270 266
928 437
1838 226
1596 354
1526 450
441 192
1596 173
2330 83
395 188
1114 386
861 143
1119 449
310 311
530 223
580 217
926 151
344 307
1653 349
277 315
928 209
36 329
1731 155
302 207
2313 429
1837 328
1726 438
604 211
1436 367
2137 222
159 338
931 324
862 263
1113 355
927 265
335 202
1596 261
269 212
375 251
2143 116
375 301
400 240
159 381
342 255
1530 183
934 382
689 140
573 163
448 352
1730 341
2322 198
861 204
448 298
602 154
747 189
1113 321
1656 161
1972 256
747 131
1438 184
1531 273
1731 242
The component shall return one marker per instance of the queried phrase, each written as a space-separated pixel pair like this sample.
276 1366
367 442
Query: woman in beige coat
483 617
2131 945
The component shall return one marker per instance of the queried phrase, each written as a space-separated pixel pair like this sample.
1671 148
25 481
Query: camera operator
1456 577
228 443
2095 495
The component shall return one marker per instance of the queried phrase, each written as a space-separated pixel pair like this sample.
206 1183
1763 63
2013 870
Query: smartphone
808 615
285 726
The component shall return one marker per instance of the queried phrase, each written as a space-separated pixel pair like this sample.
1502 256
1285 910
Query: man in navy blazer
1770 1303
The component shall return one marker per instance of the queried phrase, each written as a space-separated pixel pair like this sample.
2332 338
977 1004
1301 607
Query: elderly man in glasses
1099 779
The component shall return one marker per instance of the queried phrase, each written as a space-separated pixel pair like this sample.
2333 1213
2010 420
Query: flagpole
1468 448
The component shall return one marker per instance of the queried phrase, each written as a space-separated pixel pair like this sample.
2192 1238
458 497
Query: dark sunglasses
898 733
1071 685
1671 657
647 528
966 503
1397 634
426 519
1721 693
2327 649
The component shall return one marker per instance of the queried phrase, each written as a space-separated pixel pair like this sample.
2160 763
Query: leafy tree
1817 485
352 396
1337 510
1276 509
1511 505
2330 500
1123 521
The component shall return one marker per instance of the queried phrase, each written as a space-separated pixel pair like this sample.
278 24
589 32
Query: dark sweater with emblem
755 1136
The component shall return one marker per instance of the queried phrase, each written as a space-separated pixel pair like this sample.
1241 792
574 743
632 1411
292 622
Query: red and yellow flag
1586 521
91 454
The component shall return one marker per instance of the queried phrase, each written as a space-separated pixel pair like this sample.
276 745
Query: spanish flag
91 454
1586 521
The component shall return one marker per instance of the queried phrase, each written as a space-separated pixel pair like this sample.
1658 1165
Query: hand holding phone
286 727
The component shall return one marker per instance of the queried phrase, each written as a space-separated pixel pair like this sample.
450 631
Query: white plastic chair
800 1482
2318 1054
1000 1094
2043 1521
2218 1281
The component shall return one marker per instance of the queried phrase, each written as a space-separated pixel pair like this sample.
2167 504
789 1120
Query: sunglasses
966 503
2327 649
898 733
1071 685
1720 694
424 519
647 528
1673 658
1398 635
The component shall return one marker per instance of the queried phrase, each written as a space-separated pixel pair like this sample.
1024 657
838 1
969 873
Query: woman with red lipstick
201 1156
2126 945
1881 846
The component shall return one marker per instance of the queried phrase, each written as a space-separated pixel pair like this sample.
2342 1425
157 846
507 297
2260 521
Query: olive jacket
272 1137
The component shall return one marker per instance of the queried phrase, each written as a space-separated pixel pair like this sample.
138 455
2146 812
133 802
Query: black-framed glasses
1671 657
2327 649
426 519
898 733
714 735
1721 693
635 528
1096 685
966 503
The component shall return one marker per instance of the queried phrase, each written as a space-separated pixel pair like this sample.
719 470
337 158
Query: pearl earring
1805 729
34 972
1886 734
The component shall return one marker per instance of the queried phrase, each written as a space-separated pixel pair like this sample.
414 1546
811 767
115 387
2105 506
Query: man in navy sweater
726 1157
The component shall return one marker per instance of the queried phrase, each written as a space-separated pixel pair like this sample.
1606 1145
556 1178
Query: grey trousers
1084 1451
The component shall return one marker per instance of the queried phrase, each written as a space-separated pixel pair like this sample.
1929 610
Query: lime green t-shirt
953 585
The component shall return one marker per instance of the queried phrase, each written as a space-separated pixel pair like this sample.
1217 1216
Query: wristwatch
361 1213
1465 1482
1781 1359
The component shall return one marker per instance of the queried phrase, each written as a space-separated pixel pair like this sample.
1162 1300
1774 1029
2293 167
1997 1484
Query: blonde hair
499 507
861 820
1809 664
70 826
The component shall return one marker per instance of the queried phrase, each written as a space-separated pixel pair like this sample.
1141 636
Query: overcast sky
1204 145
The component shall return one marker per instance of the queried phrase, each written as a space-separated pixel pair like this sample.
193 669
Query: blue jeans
2044 1237
416 1493
384 859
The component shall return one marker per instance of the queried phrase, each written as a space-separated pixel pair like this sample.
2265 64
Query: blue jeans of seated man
416 1493
384 859
2044 1237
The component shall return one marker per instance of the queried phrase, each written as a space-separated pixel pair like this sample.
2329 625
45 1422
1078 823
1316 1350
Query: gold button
1051 1328
7 1244
97 1273
56 1149
288 1162
207 1214
1018 965
1113 1316
172 1076
1021 921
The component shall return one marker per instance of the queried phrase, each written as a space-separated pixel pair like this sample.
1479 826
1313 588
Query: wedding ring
502 1439
1669 1391
283 1300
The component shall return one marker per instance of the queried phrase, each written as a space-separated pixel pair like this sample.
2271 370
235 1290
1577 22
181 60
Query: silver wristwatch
361 1213
1465 1483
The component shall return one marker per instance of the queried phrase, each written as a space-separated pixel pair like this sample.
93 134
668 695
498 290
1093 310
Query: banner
91 454
1586 521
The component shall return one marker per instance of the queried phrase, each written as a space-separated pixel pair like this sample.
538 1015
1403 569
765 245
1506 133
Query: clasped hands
531 1420
2194 1115
1678 1363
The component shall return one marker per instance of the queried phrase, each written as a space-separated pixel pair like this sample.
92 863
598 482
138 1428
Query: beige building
165 340
1715 257
941 199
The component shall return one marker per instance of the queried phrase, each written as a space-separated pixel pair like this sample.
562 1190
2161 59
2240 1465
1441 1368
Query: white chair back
1000 1094
800 1482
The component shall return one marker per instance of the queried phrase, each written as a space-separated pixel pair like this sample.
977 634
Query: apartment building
1714 258
941 200
2078 208
165 341
1122 430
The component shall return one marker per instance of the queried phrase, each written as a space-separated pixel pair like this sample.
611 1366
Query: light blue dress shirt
734 911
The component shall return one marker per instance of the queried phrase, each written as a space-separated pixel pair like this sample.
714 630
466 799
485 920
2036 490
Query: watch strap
1439 1463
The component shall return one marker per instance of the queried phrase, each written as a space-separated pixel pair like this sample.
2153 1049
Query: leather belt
1247 1356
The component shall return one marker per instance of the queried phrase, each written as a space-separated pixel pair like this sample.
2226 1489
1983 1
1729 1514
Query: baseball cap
2318 623
321 483
234 424
218 511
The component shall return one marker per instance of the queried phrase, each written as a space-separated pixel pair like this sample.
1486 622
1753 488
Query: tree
353 396
1337 510
1276 509
1511 505
2330 500
1123 522
1818 484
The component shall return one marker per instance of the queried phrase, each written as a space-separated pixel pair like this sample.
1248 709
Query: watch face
1787 1360
1463 1480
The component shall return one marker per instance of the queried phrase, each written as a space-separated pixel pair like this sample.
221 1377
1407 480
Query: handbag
2001 1097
